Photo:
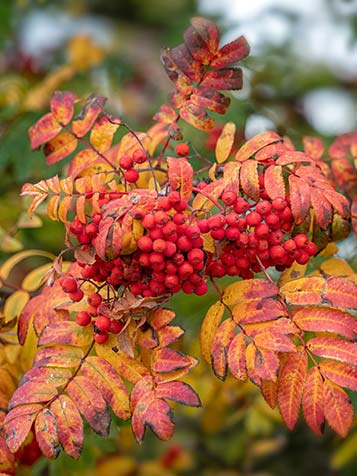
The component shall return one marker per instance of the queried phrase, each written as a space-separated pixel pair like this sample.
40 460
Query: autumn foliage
141 223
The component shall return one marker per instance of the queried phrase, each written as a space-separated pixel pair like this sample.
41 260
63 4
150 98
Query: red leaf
85 159
59 147
274 182
249 290
211 99
180 58
282 325
196 116
202 39
325 319
341 292
160 317
261 363
313 146
231 52
236 357
18 423
293 157
312 401
337 408
180 175
322 208
66 332
339 202
340 373
258 311
334 348
304 291
47 434
299 198
90 403
270 152
85 120
69 425
54 376
59 356
179 392
32 393
249 179
227 79
167 360
221 342
169 334
44 130
159 417
291 385
256 143
112 388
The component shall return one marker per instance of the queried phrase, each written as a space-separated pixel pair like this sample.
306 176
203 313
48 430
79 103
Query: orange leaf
196 116
18 423
249 179
160 317
299 198
337 408
159 418
59 147
90 403
224 79
169 334
50 375
69 425
274 182
66 332
59 356
304 290
269 391
32 393
248 290
326 319
202 39
44 130
62 106
274 341
334 348
291 385
313 146
282 325
258 311
340 373
180 175
339 202
312 401
262 364
221 342
214 190
322 208
225 142
236 357
47 434
85 120
209 98
256 143
102 133
341 292
112 388
209 328
167 360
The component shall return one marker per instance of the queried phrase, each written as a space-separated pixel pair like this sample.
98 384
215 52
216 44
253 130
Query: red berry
241 205
277 252
188 287
91 229
216 269
253 219
195 256
301 240
139 156
174 197
232 233
216 222
290 246
161 218
149 222
144 259
301 257
180 206
218 234
145 244
157 287
276 237
69 285
170 268
94 299
201 289
102 323
131 175
272 220
101 338
311 249
184 243
156 258
279 204
182 150
159 245
83 318
229 198
170 249
193 232
171 281
185 270
97 218
179 218
262 231
163 204
93 311
203 226
263 207
126 162
76 296
156 233
232 219
178 258
115 326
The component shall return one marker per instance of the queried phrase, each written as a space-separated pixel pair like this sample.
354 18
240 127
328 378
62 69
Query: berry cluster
128 162
254 234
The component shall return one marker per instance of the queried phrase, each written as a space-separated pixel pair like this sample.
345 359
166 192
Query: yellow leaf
225 142
15 304
9 264
83 53
209 328
295 271
336 267
33 279
330 250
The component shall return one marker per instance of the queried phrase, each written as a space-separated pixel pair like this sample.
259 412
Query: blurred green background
300 79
